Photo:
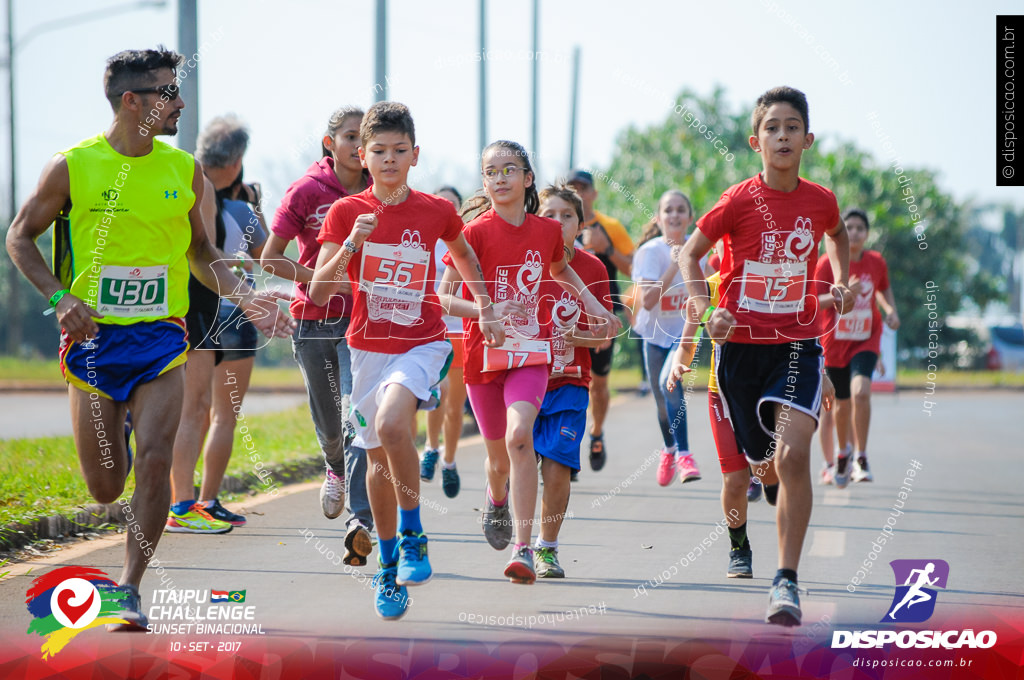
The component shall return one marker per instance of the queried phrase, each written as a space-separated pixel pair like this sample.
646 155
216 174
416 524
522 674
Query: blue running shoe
391 599
784 604
429 464
450 482
218 511
413 564
754 490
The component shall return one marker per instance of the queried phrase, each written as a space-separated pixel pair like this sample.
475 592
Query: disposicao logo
914 602
67 601
919 577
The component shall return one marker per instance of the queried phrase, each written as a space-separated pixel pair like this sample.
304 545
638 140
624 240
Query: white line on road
827 543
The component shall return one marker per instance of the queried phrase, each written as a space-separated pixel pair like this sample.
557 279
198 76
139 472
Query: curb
107 516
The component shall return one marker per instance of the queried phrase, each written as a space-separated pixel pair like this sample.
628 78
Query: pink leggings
491 400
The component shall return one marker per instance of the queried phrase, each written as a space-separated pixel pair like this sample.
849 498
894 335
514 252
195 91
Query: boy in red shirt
383 240
851 352
558 430
768 358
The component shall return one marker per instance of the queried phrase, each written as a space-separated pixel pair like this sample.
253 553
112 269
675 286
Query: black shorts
234 335
862 363
753 378
601 360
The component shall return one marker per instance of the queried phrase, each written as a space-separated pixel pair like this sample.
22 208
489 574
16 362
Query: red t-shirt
571 365
513 260
859 330
771 251
395 307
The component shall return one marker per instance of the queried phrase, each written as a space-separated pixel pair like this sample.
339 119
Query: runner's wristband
703 322
56 297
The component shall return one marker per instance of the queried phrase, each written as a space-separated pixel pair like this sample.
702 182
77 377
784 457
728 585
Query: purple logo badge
916 581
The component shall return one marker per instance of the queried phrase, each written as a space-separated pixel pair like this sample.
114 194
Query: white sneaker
332 495
861 473
828 473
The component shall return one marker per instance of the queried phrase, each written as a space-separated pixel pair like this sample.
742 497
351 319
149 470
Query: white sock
674 450
448 466
541 543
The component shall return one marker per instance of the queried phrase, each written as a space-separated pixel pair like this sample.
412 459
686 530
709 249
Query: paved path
964 506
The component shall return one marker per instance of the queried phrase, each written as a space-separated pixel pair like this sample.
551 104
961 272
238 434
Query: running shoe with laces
413 563
828 474
784 604
218 511
598 455
497 521
687 467
131 612
391 600
740 563
666 467
842 474
520 568
358 544
861 473
332 494
450 482
428 464
196 521
546 561
754 490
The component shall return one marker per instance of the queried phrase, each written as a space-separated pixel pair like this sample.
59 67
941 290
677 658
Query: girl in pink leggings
506 384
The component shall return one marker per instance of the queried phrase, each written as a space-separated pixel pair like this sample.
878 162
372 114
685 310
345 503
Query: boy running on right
768 360
851 351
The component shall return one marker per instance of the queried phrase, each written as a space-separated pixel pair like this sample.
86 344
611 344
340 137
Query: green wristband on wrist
56 297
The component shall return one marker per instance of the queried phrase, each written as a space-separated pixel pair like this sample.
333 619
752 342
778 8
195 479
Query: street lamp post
14 327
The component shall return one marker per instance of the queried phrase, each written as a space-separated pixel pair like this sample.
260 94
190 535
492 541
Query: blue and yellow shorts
120 358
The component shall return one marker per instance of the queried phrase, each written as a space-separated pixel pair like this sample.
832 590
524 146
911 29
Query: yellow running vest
121 243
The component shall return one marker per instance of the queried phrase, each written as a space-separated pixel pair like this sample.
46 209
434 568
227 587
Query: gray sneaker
784 604
332 494
740 563
842 474
131 613
497 521
546 562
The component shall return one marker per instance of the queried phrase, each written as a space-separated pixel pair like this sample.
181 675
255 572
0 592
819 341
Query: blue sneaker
413 564
218 511
391 599
450 482
754 490
429 464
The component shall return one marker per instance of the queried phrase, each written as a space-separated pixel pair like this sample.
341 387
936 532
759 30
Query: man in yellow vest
129 213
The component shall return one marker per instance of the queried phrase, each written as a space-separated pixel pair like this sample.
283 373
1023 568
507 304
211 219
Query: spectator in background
606 238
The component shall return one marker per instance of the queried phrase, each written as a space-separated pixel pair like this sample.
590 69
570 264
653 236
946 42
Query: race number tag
773 288
672 304
133 291
564 354
394 279
517 353
855 325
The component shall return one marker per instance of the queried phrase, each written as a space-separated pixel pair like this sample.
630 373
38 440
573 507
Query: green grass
35 371
41 477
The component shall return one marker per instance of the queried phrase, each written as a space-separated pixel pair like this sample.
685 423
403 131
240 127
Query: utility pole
536 68
575 104
381 87
483 75
188 45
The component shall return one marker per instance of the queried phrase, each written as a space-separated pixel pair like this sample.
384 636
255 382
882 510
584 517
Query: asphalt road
964 506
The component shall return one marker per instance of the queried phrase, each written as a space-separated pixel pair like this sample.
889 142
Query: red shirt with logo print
859 330
514 260
771 253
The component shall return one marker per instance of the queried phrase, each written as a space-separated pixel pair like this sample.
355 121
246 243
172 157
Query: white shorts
418 370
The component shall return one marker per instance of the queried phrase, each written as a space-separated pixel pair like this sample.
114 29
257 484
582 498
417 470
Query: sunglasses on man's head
168 92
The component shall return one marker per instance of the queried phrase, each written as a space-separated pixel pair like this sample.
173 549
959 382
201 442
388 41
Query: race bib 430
133 291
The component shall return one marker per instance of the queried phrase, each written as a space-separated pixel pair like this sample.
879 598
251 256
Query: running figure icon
916 594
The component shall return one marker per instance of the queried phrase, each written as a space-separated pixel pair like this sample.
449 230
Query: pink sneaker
688 471
667 468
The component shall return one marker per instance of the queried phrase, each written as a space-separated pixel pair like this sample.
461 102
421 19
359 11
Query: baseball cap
581 176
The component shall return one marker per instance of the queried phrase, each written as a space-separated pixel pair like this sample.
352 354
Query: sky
925 70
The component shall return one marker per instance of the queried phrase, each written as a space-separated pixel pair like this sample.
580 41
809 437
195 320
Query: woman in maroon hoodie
319 344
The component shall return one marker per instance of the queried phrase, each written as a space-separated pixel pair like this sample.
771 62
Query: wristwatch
350 246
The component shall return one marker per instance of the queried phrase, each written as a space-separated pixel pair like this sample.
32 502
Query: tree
917 226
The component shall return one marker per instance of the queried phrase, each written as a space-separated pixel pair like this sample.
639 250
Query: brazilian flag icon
237 596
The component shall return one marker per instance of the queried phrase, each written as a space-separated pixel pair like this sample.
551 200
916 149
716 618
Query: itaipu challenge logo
914 601
69 600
